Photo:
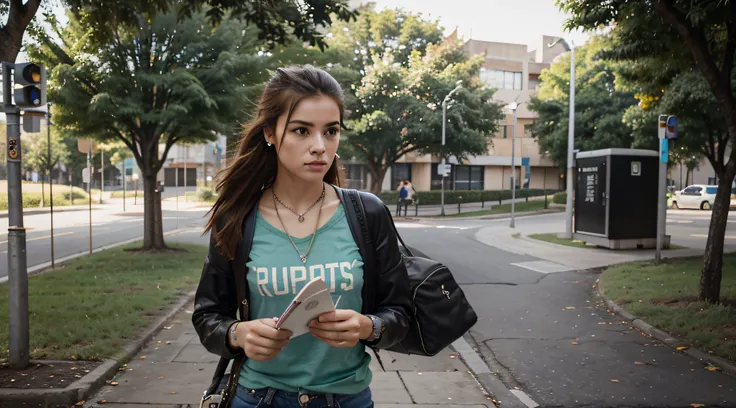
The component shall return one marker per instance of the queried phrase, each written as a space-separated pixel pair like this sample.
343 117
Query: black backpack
440 311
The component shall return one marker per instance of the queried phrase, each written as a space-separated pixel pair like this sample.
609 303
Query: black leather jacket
385 289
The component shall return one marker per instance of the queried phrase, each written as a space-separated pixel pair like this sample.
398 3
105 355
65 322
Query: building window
501 79
468 177
505 129
461 178
400 172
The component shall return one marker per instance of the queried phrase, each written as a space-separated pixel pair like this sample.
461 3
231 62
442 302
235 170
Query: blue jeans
273 398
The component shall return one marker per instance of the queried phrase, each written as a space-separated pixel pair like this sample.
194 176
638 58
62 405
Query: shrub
206 194
560 198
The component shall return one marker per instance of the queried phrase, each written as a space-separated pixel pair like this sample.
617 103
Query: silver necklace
303 257
300 216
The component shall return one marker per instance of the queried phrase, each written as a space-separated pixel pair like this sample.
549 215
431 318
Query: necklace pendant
301 218
303 258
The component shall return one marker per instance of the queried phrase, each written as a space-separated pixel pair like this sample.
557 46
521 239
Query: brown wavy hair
255 165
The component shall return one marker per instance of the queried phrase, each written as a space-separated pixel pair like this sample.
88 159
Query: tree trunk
377 179
710 278
153 234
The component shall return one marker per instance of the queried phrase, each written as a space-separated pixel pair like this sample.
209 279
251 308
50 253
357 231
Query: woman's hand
341 328
260 339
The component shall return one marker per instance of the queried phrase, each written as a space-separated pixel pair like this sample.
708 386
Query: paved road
71 232
546 333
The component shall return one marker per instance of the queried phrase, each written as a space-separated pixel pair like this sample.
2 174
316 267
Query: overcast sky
510 21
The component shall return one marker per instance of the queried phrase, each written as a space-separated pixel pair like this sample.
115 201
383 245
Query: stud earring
268 144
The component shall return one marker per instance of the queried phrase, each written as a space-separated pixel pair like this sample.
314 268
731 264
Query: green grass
665 296
536 205
93 306
552 238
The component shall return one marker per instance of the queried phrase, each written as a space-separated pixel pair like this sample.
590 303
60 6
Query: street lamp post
458 85
570 139
513 106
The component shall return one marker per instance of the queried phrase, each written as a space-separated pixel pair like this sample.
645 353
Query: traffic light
30 85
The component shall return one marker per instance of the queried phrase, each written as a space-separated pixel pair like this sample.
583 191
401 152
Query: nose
318 147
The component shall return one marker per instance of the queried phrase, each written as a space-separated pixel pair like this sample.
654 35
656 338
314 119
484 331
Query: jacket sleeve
392 295
216 304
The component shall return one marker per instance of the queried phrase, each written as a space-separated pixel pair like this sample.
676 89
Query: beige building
512 69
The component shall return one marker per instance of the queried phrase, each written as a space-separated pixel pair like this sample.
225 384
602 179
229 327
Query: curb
491 385
88 385
724 365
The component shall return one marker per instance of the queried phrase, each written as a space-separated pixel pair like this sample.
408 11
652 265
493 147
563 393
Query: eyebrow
301 122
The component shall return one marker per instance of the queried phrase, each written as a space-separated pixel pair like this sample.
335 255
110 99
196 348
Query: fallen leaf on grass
681 348
615 381
74 357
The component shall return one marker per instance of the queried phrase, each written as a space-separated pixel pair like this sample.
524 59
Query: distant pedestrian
282 188
402 199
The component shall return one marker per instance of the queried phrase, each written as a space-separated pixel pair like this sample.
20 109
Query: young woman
285 180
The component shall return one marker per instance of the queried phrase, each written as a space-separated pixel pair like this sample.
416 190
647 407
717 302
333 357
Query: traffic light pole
32 94
18 341
17 266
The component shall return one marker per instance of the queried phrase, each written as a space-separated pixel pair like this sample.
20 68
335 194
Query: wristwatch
378 328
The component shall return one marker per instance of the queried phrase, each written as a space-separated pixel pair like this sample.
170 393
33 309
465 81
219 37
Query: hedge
33 200
455 196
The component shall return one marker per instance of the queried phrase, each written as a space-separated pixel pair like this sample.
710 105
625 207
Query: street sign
664 151
83 145
661 129
85 175
444 170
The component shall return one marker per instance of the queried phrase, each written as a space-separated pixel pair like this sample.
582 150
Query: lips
317 165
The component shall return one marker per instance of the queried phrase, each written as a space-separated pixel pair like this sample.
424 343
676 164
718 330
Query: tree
687 40
154 85
396 70
600 104
19 16
36 155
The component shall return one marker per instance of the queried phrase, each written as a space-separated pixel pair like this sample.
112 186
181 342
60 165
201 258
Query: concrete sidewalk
517 241
173 370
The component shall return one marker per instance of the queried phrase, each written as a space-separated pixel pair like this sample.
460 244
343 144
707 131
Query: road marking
706 236
452 227
45 237
523 397
543 266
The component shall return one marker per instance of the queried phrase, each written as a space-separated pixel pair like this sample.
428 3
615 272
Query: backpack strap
241 289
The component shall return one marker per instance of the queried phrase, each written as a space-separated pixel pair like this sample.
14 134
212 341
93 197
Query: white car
696 196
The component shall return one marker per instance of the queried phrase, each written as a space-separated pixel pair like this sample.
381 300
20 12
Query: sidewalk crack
413 401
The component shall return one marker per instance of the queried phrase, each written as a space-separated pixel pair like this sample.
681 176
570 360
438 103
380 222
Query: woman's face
308 147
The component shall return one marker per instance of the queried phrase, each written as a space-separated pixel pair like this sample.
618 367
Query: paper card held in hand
313 300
